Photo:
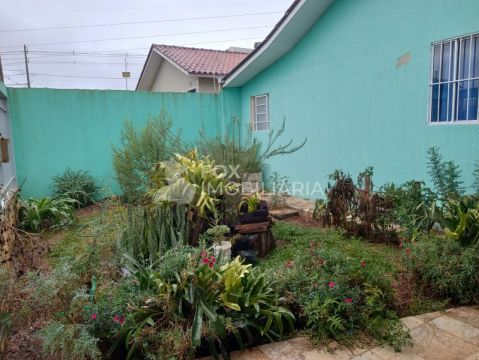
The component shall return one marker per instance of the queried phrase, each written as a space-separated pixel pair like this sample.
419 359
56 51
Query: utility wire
145 36
141 22
80 76
107 53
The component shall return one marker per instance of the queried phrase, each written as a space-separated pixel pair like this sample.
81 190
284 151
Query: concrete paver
445 335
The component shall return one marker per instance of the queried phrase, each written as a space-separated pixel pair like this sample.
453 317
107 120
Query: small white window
260 112
454 87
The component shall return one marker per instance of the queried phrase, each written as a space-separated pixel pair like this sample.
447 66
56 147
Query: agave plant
78 185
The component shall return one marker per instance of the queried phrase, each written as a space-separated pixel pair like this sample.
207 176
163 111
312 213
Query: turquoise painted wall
56 129
3 89
340 87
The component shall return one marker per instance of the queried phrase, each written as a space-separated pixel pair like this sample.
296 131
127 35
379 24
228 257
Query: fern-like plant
445 175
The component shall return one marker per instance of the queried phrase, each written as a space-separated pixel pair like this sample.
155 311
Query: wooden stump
264 240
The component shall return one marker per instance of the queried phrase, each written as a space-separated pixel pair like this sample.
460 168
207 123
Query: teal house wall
58 129
340 86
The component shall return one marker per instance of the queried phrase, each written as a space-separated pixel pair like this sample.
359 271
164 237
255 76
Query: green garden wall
340 87
55 129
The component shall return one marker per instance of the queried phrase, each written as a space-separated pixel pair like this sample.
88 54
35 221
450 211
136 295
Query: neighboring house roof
202 61
196 61
297 20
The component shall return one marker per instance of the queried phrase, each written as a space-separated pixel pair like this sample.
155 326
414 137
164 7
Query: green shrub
77 185
47 212
140 150
447 268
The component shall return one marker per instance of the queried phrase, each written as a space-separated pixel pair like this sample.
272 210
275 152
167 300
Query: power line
107 53
80 76
145 36
142 22
202 4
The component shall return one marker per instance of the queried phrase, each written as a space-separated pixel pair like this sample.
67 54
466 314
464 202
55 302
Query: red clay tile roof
202 61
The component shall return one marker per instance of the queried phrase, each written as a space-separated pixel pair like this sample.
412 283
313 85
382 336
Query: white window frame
453 82
255 113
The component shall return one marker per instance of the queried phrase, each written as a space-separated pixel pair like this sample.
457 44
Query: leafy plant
217 233
140 150
47 212
475 175
250 202
191 180
461 220
77 185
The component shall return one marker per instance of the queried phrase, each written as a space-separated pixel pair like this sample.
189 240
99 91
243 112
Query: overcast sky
100 50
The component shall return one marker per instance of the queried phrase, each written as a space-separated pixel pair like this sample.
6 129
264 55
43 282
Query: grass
100 229
293 240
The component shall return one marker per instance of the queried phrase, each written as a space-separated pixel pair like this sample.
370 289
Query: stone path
448 335
303 206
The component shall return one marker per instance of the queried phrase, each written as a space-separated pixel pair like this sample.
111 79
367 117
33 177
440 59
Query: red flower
408 251
204 254
206 261
289 264
331 284
363 264
119 319
348 300
93 316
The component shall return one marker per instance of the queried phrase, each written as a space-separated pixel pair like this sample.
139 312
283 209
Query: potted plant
253 210
221 246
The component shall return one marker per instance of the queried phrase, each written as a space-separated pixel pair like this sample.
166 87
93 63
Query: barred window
455 80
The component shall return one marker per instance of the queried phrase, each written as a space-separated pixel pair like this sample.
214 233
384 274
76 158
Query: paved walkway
449 335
